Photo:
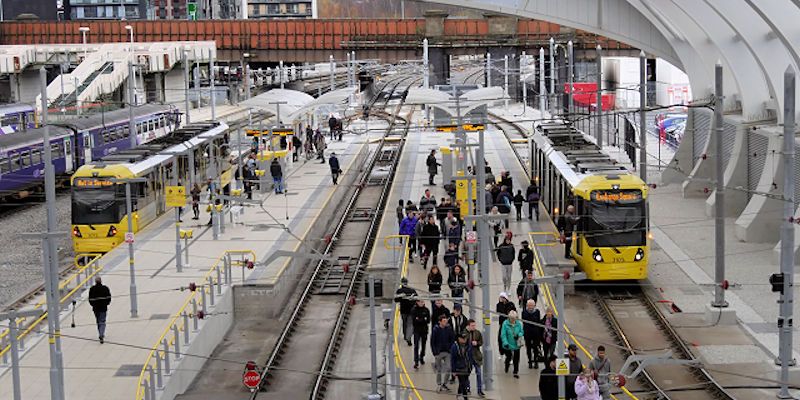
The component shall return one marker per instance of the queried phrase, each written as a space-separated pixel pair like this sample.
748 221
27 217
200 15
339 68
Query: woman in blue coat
510 336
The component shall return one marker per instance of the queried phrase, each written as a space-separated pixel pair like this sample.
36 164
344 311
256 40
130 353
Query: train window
15 165
4 166
8 120
25 159
36 157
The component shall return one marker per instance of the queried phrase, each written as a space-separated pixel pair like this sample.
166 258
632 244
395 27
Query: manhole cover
129 370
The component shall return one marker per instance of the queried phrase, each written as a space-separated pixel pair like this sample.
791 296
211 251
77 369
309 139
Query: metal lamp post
84 30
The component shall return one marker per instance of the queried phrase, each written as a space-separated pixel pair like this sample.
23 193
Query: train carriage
17 118
610 241
99 211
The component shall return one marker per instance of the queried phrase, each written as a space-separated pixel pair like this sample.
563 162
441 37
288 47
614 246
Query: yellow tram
99 210
610 240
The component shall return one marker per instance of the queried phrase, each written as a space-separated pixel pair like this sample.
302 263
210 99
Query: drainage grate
129 370
160 316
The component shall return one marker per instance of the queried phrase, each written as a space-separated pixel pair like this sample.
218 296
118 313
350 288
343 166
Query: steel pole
542 90
523 64
184 60
552 102
425 64
51 258
599 108
484 250
332 75
642 115
505 81
719 197
786 300
373 343
12 336
129 209
562 382
488 69
131 102
213 89
571 77
280 73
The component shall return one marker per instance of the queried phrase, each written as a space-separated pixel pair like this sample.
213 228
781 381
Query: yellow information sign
562 367
176 196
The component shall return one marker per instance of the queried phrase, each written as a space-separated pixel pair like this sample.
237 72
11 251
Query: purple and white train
17 118
76 142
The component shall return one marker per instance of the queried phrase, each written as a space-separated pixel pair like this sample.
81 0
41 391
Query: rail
83 275
218 277
405 379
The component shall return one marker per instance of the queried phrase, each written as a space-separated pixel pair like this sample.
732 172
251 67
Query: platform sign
176 196
129 238
472 237
191 9
251 379
562 366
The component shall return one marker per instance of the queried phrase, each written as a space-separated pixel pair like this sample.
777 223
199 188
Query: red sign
251 379
472 237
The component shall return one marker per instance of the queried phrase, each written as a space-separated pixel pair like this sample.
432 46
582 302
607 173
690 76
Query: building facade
105 9
297 9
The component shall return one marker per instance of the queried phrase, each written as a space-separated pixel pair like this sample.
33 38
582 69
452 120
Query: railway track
642 329
316 339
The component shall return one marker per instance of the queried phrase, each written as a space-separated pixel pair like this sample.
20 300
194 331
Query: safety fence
72 286
177 335
406 387
550 300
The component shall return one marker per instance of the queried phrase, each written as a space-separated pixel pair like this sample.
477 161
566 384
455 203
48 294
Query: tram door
87 148
68 160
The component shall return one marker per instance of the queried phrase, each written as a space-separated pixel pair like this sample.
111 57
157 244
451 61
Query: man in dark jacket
531 319
461 361
430 237
566 225
297 145
505 254
525 258
332 125
277 175
433 166
335 170
575 369
548 381
458 320
421 317
442 339
99 299
438 310
475 339
404 295
527 289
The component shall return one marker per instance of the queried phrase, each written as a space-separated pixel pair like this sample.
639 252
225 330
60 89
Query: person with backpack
503 202
532 196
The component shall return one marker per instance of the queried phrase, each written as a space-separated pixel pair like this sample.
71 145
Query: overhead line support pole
719 197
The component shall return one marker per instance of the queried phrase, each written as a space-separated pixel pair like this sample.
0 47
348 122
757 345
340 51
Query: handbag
520 341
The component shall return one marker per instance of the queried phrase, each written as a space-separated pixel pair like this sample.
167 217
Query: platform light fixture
129 28
84 31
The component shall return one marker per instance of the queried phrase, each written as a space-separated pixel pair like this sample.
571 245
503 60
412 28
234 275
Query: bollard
146 391
204 300
167 370
219 281
177 337
3 344
227 265
186 250
21 342
194 316
159 375
221 218
210 292
185 328
152 382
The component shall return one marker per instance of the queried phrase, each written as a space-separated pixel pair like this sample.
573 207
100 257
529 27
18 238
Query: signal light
76 232
776 280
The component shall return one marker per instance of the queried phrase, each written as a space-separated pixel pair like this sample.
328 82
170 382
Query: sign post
562 367
176 197
251 378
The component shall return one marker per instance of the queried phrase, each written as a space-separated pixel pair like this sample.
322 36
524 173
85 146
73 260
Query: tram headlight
639 255
597 256
112 231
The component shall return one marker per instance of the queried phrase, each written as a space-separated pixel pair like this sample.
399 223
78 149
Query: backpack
533 197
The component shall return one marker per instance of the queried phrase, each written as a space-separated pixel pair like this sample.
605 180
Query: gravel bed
21 258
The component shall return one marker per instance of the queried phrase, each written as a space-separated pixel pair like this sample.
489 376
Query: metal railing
82 280
405 379
177 333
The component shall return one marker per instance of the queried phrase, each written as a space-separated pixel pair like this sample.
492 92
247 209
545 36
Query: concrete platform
111 370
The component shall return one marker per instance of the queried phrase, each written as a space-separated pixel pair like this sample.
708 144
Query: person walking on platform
457 282
442 339
586 388
335 169
505 254
549 333
404 295
532 319
602 366
297 144
277 175
422 318
433 166
527 289
451 257
438 310
512 336
475 339
427 203
503 307
196 200
533 201
431 237
435 279
99 299
525 259
332 126
458 320
494 225
566 225
408 227
401 212
518 201
461 361
548 381
575 369
319 145
503 202
507 181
